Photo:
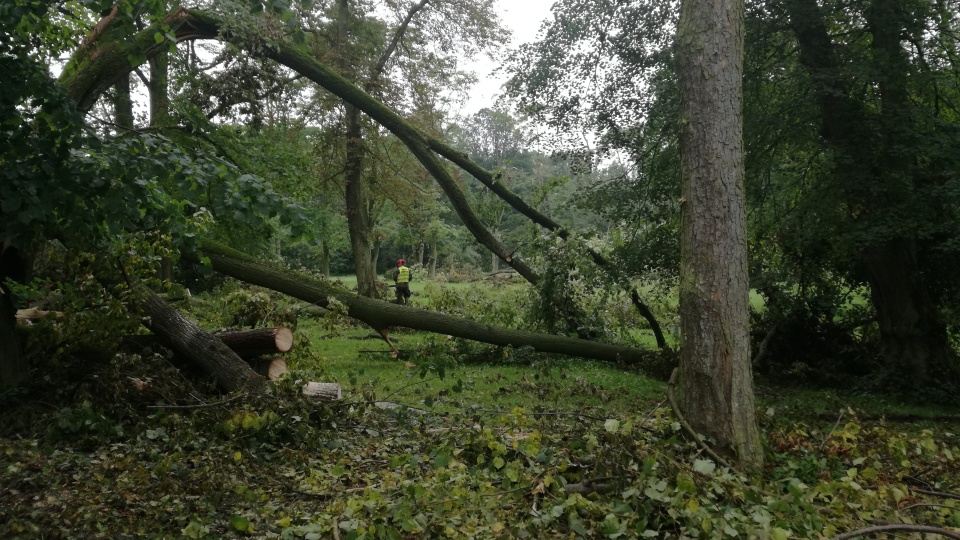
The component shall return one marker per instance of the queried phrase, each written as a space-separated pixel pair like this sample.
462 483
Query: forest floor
486 443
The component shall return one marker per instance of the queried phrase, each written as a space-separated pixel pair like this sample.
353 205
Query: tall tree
716 382
882 139
392 61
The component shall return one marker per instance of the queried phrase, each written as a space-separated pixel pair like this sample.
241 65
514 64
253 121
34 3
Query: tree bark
383 315
245 343
159 93
358 220
716 383
913 339
190 341
257 342
325 258
14 367
123 104
434 254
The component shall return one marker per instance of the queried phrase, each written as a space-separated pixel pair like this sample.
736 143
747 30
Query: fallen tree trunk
188 340
245 343
383 315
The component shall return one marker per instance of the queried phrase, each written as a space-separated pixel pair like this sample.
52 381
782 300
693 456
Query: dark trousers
403 292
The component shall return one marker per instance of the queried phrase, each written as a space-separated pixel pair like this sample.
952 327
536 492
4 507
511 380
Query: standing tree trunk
716 384
434 253
13 364
159 92
123 104
357 218
913 339
375 255
325 258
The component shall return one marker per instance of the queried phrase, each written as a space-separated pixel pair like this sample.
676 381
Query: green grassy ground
361 363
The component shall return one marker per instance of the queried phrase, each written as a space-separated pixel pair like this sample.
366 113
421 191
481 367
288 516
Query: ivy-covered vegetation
484 443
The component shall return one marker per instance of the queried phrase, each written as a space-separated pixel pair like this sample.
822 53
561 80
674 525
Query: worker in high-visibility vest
401 276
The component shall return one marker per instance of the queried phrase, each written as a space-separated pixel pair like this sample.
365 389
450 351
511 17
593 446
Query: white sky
523 18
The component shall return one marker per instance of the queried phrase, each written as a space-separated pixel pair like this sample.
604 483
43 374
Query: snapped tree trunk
716 383
383 315
190 341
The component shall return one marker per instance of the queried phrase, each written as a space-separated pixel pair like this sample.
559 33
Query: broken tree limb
102 60
32 314
190 341
895 528
382 315
96 65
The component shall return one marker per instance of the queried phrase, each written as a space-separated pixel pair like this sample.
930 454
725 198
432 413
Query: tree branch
898 527
397 36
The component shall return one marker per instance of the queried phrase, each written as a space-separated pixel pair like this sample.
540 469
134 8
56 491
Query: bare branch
898 527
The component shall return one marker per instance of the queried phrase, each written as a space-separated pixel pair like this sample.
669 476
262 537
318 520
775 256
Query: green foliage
288 469
500 443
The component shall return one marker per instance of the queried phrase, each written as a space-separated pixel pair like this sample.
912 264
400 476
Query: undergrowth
135 450
450 440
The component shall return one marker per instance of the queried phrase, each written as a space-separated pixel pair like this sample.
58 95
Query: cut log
271 368
248 344
188 340
324 391
258 342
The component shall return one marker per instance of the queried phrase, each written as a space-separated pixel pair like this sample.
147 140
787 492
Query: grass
363 365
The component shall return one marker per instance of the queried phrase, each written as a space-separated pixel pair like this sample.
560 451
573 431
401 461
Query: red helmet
401 262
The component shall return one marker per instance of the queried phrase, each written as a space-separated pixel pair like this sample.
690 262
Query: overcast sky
523 18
